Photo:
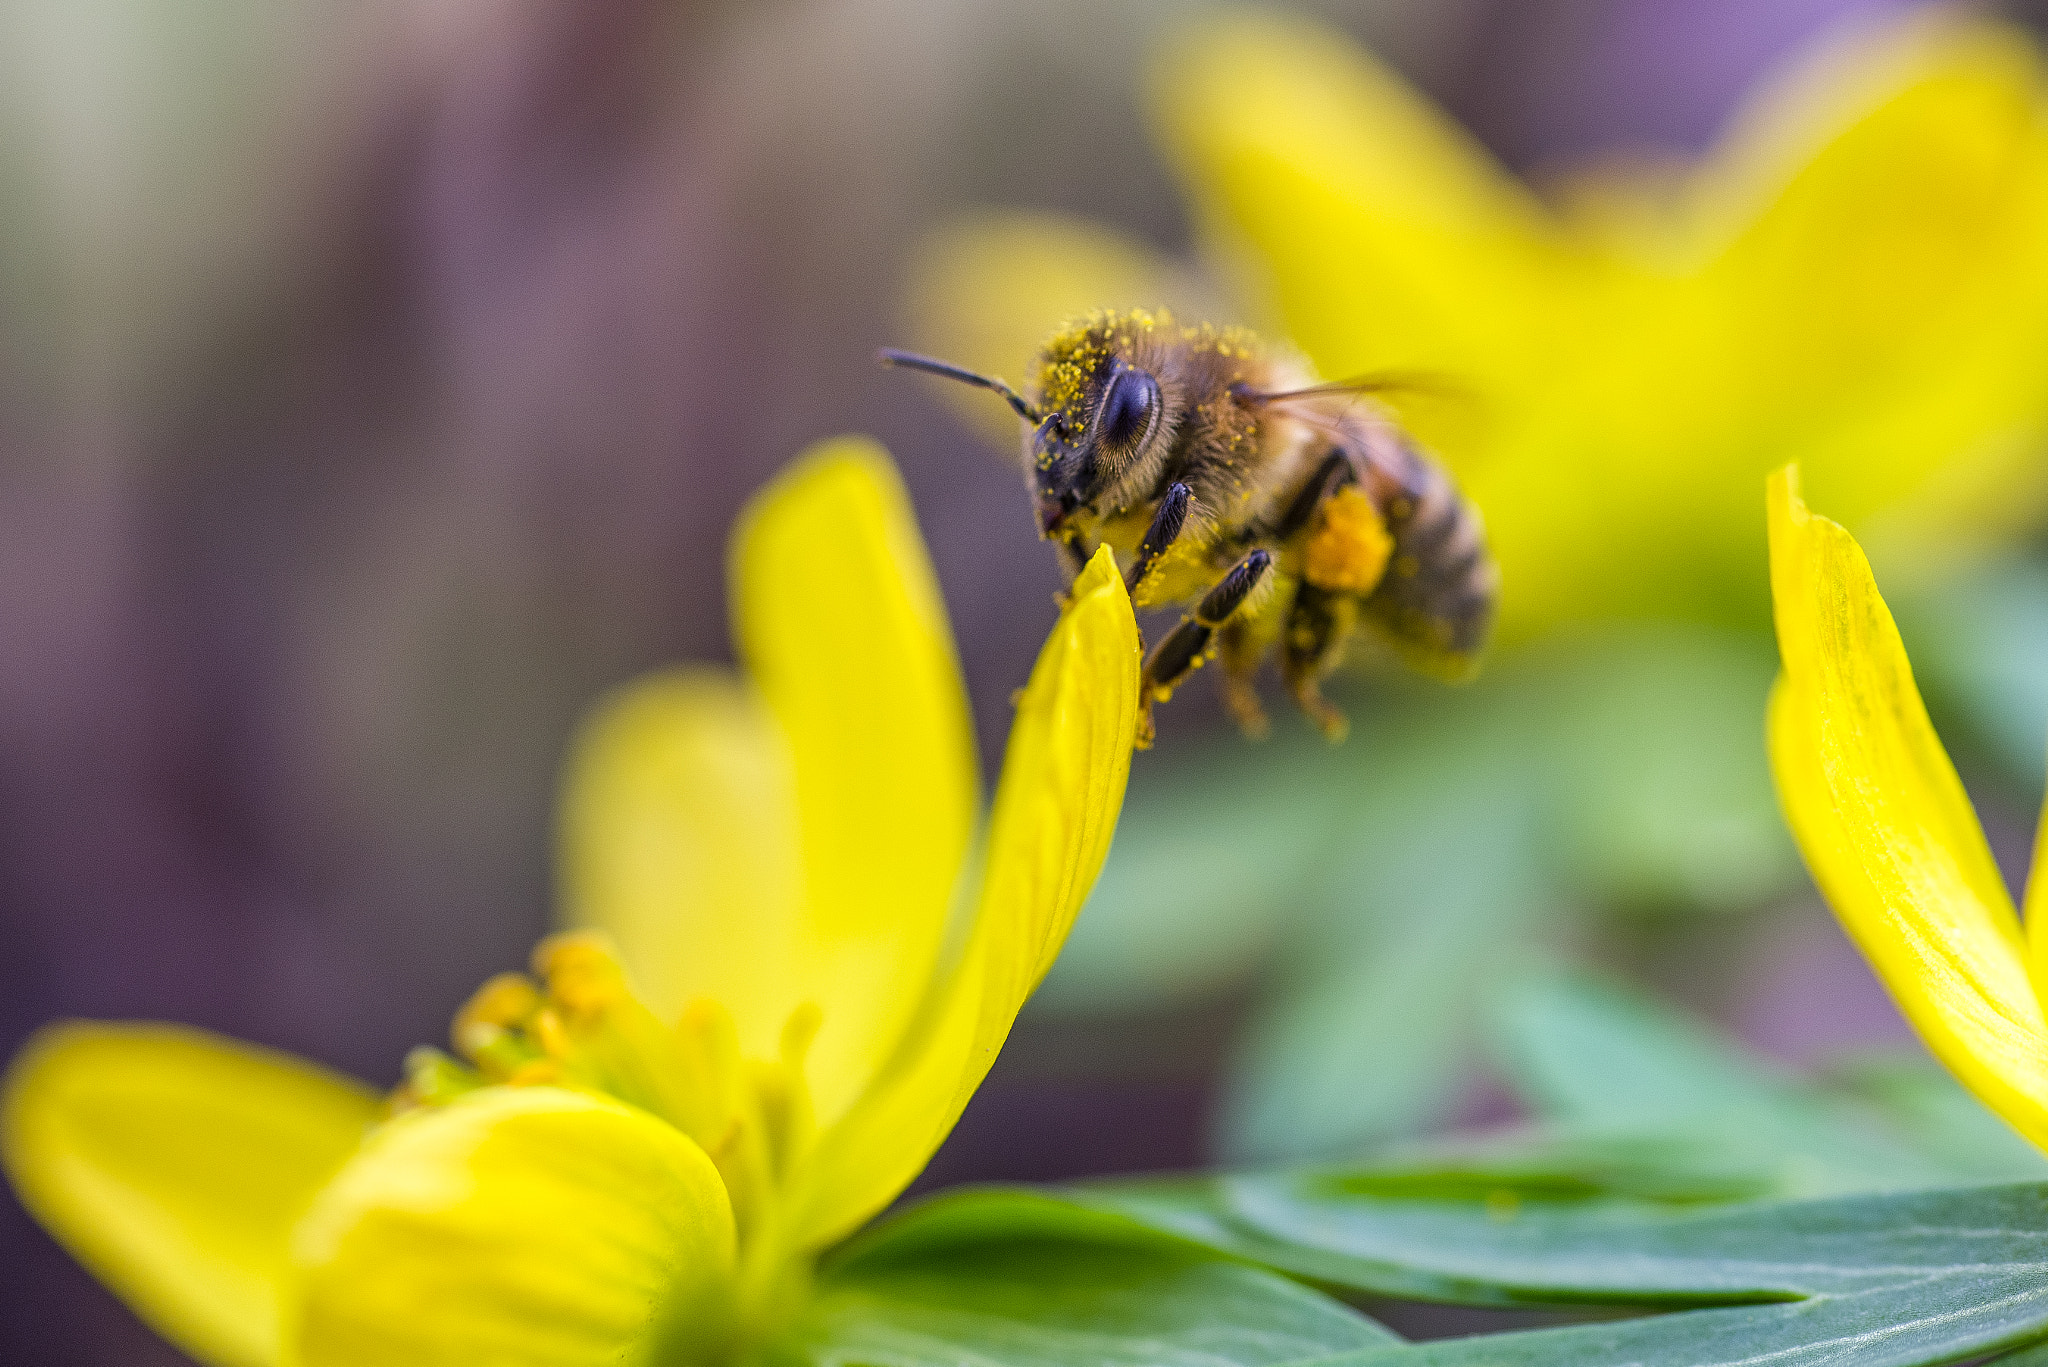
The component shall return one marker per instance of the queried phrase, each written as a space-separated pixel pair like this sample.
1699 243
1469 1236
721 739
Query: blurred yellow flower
642 1151
1887 829
1856 278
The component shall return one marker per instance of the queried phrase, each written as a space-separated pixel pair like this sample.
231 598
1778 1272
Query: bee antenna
910 360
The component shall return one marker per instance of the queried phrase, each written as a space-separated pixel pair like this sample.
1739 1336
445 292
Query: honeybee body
1286 515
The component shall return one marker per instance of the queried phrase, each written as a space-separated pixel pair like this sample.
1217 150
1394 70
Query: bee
1282 514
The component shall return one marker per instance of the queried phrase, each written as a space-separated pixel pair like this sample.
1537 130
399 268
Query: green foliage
1025 1281
1590 1057
1170 1272
1689 1204
1401 991
1910 1277
1670 1170
1381 891
1919 1100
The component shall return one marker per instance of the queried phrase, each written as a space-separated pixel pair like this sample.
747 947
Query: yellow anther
581 970
540 1072
502 1005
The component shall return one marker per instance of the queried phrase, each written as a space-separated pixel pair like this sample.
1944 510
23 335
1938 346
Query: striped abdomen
1435 603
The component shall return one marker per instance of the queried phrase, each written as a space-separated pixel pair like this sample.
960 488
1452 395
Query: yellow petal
840 623
1056 809
1388 237
521 1227
1858 280
1891 293
679 839
172 1164
1061 791
986 289
1885 825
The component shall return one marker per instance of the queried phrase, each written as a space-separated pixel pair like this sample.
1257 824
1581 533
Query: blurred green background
377 384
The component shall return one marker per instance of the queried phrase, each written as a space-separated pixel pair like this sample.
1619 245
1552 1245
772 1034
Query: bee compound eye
1130 410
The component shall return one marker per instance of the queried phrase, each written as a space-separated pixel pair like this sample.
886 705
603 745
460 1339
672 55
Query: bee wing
1333 411
1391 383
1438 409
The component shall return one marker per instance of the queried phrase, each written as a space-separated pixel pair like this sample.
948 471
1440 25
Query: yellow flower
1887 829
641 1152
1857 278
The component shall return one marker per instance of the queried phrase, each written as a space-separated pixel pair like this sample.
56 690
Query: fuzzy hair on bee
1284 514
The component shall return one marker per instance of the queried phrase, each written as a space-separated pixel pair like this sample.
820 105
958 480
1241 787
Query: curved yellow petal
840 623
1061 790
522 1227
1890 293
679 839
1884 823
1056 808
1388 237
986 289
172 1163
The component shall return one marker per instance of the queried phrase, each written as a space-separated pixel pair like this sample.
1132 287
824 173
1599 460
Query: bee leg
1316 629
1075 555
1239 647
1187 645
1166 525
1336 465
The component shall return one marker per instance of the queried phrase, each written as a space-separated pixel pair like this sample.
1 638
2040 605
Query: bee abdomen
1435 603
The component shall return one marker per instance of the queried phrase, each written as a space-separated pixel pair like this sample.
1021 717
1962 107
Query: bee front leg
1166 525
1187 645
1074 556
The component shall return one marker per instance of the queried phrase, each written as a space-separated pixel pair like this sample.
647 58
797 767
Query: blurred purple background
374 390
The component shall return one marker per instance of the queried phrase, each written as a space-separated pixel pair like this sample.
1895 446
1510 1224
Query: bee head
1104 413
1075 458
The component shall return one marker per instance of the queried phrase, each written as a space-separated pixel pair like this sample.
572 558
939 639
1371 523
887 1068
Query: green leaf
1589 1056
1895 1279
1924 1102
1377 1028
1873 1327
1890 1278
1660 794
1376 887
1548 1248
1882 1280
1021 1280
972 1215
1203 881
